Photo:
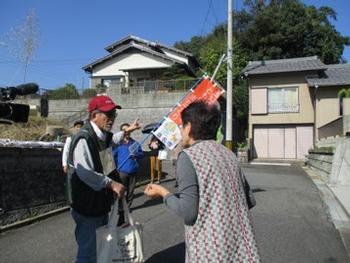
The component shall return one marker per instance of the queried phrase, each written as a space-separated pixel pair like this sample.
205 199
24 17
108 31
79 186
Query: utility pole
228 142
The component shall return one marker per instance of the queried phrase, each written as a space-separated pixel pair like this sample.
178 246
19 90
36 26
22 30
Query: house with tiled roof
134 60
294 103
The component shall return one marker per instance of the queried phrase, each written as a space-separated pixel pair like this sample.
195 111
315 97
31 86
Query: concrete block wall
328 142
31 182
61 109
333 168
340 174
149 107
322 163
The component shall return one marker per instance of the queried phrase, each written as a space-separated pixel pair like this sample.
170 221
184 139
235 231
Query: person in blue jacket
126 155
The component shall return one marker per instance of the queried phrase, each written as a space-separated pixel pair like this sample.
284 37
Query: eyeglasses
110 114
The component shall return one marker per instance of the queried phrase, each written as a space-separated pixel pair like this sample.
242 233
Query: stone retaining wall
31 182
322 163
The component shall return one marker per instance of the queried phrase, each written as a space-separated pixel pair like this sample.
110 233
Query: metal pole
228 141
218 67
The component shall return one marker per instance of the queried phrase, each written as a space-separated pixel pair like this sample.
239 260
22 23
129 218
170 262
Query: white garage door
304 140
275 140
282 142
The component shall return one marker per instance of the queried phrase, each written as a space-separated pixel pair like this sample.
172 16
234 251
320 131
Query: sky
74 33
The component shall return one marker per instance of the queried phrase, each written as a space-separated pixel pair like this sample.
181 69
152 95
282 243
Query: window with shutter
282 100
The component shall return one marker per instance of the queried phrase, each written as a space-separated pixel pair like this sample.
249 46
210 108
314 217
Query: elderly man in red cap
92 175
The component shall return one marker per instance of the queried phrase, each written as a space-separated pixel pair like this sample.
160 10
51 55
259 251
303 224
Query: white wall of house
129 61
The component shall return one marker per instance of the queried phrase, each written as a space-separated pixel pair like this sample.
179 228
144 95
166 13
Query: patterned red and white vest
223 231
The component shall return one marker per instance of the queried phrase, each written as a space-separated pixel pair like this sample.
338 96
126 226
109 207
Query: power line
214 13
206 18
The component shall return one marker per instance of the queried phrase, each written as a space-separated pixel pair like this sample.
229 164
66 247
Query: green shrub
88 93
242 146
67 92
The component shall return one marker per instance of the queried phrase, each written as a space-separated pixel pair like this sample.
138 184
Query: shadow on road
257 190
148 203
174 254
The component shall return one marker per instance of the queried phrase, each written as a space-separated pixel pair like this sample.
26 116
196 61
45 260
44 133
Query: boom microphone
10 93
28 88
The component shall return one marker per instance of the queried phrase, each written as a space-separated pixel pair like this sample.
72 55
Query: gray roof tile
335 75
283 65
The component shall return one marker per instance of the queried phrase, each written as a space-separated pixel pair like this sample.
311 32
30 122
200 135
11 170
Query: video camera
14 112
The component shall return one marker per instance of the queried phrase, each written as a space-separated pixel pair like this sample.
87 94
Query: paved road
291 223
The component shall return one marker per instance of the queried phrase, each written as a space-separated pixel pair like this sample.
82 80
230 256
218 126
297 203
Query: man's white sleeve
65 151
117 137
84 166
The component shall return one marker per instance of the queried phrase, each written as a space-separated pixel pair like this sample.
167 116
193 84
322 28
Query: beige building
294 103
133 61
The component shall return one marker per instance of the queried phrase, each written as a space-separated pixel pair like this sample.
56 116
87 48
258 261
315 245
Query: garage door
282 142
304 140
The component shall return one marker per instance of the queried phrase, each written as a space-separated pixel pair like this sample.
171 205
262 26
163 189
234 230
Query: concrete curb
339 215
32 220
327 194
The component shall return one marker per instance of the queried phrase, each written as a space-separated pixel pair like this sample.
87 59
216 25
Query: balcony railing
283 108
158 86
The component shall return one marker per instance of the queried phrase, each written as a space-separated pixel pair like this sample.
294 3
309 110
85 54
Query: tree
288 29
23 40
69 91
89 93
272 30
344 93
193 46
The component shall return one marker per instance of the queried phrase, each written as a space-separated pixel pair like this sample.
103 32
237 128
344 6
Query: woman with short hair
210 196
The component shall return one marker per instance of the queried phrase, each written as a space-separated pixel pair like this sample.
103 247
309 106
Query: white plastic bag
163 154
119 244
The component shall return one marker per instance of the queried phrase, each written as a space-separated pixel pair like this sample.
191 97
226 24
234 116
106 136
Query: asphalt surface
291 223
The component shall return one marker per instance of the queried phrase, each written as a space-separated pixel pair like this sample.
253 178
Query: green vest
82 197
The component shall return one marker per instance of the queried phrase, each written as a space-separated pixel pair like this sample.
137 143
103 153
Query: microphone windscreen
25 89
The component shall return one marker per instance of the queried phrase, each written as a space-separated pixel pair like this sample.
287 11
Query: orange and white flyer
169 131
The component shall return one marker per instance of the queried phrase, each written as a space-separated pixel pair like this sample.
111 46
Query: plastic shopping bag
163 154
119 244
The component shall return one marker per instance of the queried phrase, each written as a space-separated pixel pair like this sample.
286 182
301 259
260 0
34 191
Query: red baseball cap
102 103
